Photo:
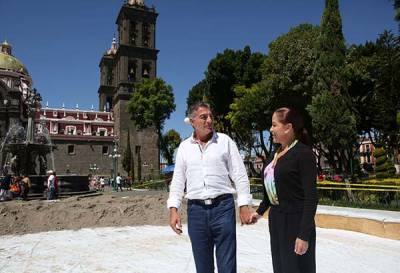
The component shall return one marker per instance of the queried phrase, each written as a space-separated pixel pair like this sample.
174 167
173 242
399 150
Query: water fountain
29 150
24 150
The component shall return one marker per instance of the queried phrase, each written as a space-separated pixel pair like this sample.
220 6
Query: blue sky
61 42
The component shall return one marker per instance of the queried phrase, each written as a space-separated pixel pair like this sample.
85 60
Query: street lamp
114 155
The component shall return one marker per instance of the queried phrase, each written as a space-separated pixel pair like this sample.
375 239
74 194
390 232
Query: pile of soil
20 217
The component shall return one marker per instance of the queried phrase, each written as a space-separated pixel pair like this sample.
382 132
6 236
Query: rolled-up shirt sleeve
178 181
238 174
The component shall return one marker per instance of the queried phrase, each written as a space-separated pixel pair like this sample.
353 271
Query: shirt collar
212 139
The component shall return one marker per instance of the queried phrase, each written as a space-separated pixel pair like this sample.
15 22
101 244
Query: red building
82 138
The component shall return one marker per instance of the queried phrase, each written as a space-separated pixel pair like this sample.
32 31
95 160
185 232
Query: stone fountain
28 149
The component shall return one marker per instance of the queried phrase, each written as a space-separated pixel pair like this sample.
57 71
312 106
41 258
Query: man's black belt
210 201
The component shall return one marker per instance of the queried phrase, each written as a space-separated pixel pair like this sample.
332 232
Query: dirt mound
18 217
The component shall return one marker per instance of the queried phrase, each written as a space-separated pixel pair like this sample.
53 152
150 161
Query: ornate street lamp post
114 155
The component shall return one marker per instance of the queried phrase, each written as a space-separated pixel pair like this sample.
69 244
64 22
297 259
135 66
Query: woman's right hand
254 217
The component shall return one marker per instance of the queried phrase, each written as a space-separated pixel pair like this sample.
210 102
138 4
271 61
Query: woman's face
281 133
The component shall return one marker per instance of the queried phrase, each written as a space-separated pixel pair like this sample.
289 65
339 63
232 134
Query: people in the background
26 186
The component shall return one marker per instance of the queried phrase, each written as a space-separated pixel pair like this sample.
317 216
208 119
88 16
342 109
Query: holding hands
247 217
254 217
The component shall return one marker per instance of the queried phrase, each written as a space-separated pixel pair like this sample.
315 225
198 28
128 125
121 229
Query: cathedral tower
126 63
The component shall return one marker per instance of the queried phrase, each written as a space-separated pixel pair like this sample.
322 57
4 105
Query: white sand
155 249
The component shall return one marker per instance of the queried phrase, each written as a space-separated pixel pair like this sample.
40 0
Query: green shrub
383 166
380 160
379 152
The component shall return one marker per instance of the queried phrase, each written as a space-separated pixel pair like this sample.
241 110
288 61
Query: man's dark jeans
209 226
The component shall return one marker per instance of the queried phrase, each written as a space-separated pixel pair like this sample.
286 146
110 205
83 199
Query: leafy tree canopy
151 103
170 142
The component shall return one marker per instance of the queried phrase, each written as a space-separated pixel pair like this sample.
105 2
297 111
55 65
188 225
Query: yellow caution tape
358 189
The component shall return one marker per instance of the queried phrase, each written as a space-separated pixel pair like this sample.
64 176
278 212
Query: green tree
287 80
387 90
334 128
375 89
171 141
151 104
224 72
249 119
196 93
359 71
289 66
397 8
333 122
330 52
127 159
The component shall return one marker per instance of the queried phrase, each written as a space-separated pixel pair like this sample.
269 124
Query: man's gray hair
194 107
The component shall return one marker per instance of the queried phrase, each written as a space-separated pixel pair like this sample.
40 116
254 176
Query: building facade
82 139
86 138
366 151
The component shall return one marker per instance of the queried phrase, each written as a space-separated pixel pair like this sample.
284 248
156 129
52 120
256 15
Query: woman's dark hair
291 115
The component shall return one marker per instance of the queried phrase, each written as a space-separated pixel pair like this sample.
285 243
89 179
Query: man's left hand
245 215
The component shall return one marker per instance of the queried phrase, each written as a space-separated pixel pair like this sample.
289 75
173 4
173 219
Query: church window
105 150
146 70
71 130
108 104
102 131
132 71
110 76
71 149
145 34
132 33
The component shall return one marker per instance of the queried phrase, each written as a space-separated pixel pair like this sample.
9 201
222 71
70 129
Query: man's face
202 122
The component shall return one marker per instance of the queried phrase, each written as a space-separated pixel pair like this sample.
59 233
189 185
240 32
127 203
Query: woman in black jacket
291 194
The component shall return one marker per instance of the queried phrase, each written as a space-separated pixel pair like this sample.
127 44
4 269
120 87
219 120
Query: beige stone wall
390 230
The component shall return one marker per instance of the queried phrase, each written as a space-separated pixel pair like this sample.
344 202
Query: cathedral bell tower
126 63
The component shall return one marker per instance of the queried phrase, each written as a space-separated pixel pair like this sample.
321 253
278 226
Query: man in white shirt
119 181
206 163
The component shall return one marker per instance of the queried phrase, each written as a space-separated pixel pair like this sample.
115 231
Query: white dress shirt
207 171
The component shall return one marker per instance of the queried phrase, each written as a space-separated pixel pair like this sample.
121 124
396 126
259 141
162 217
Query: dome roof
9 62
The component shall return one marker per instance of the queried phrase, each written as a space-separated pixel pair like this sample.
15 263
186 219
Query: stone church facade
86 138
